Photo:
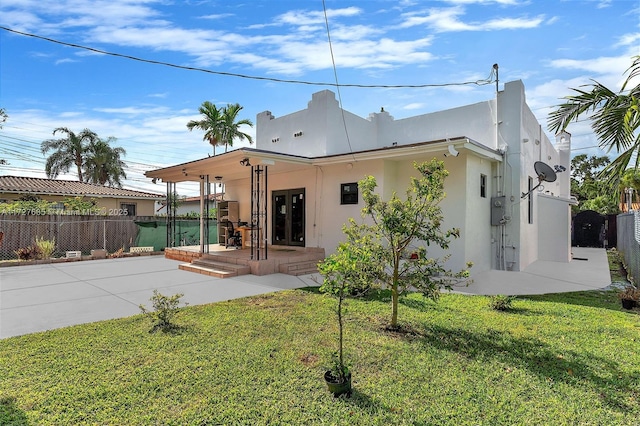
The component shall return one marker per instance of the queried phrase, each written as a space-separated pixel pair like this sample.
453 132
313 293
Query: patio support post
251 216
171 214
204 214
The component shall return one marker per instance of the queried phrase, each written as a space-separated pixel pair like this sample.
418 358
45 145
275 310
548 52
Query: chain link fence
628 225
86 233
70 233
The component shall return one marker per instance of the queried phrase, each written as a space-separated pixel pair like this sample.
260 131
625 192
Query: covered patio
247 171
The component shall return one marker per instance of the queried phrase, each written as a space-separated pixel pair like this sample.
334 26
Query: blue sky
551 46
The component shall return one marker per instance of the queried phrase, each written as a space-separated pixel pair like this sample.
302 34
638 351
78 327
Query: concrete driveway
43 297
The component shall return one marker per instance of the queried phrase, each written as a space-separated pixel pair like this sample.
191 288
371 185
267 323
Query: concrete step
213 268
299 268
209 263
206 271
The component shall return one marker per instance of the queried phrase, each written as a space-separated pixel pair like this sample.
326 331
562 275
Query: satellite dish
545 174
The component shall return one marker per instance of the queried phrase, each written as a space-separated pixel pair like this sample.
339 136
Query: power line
250 77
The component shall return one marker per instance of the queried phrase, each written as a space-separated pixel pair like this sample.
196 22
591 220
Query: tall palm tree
66 151
103 164
211 124
614 116
231 127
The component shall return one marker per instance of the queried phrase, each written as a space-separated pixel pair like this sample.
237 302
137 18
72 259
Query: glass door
288 217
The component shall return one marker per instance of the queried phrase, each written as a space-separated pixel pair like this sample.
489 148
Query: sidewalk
43 297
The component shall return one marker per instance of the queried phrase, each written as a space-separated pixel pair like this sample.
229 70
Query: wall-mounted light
275 140
245 162
184 171
154 180
297 134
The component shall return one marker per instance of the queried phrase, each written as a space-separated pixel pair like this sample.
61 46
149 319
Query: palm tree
103 165
210 123
231 127
615 119
67 151
220 125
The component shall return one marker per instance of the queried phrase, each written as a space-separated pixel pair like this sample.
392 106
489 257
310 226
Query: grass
556 359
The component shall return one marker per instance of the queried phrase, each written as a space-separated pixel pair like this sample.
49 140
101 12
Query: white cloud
448 20
65 61
414 105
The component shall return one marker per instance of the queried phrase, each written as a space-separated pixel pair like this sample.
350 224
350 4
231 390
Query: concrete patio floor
48 296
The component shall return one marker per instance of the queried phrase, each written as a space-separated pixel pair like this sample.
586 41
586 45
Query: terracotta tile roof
40 186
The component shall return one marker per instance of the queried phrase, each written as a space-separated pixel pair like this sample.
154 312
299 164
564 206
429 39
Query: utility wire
251 77
335 75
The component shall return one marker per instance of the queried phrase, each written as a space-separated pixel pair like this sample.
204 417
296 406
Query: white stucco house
298 185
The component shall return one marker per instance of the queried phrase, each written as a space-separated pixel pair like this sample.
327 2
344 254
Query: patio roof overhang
231 165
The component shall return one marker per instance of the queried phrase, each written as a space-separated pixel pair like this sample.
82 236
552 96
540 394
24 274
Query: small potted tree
629 297
342 273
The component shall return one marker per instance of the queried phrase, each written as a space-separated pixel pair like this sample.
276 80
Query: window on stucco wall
128 209
349 193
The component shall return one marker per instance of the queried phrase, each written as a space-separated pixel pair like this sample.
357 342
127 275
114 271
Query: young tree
400 233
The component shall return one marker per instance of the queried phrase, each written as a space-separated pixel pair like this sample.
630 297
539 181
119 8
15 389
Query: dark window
128 209
349 193
483 186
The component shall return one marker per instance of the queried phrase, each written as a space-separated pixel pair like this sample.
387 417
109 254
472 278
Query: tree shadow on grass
602 299
10 414
539 358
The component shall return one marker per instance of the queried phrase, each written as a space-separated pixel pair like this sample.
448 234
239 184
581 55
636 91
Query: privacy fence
85 233
629 242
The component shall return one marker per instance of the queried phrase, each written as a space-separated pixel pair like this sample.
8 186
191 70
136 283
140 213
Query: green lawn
553 360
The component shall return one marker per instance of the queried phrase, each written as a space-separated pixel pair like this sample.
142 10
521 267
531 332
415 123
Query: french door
288 217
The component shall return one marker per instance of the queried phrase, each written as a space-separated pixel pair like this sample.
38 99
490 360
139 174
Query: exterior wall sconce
184 172
245 162
275 140
297 134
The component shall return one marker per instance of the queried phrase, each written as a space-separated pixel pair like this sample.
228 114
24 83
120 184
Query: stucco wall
319 130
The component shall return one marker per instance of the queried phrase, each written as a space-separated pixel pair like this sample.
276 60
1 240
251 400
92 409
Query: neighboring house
190 205
109 201
299 185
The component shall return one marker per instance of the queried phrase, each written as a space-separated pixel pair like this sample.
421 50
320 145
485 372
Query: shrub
117 254
500 302
28 253
164 309
46 247
629 293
